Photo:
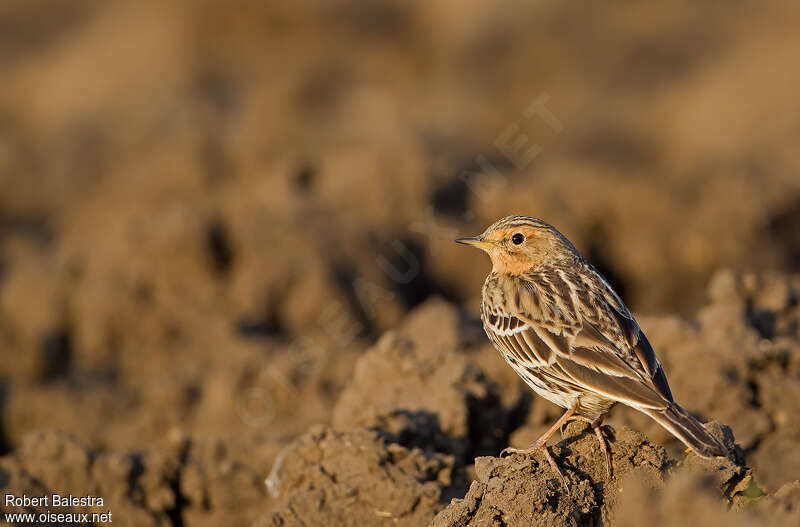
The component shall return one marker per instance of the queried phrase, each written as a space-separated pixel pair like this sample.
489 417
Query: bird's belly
592 406
554 394
589 404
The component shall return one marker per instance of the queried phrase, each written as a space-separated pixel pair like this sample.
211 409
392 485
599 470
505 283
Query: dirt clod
355 478
423 390
524 490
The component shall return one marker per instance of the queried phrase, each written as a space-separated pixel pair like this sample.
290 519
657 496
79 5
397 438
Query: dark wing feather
644 351
528 344
635 339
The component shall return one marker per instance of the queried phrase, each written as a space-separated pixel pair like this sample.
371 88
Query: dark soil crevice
220 248
175 513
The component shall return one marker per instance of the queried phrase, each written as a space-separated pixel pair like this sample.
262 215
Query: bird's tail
689 430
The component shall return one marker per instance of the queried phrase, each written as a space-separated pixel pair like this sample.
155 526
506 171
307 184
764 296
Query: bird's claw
536 446
510 450
526 451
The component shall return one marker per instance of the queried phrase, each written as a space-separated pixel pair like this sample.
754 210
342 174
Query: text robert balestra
52 500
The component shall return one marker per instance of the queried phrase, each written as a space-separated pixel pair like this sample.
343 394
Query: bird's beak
476 241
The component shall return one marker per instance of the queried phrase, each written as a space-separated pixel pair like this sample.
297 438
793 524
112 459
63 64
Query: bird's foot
606 449
538 445
596 425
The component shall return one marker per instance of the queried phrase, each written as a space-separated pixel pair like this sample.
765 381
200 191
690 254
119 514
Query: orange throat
504 265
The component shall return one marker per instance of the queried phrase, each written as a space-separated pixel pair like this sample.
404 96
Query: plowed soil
229 293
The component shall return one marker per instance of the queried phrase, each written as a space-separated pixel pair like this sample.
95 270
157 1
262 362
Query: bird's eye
517 238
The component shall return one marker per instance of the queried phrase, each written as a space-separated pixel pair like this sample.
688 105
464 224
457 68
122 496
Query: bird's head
519 243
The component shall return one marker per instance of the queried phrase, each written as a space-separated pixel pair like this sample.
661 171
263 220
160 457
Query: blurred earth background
210 212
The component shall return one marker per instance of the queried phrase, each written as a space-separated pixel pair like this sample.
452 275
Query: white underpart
542 390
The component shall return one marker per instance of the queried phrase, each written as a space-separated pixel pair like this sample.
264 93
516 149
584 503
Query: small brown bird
564 330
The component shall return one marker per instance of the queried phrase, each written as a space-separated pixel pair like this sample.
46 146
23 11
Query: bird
565 331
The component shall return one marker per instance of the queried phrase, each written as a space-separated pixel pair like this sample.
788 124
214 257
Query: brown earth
418 410
221 225
391 392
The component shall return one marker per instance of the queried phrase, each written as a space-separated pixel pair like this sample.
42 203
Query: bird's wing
573 333
602 308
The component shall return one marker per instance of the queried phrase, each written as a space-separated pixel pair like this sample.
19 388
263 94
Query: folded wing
597 348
